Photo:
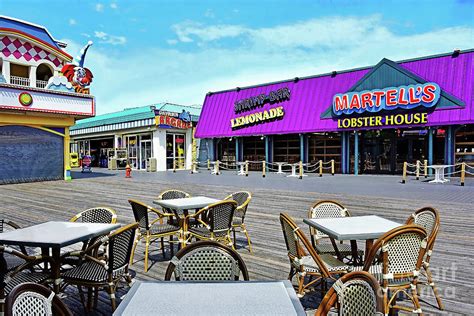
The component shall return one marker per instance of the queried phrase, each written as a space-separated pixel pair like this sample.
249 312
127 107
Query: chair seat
88 271
344 249
332 264
237 221
376 271
158 229
24 277
203 231
12 261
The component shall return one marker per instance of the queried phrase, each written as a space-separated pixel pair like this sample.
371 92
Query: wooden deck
452 261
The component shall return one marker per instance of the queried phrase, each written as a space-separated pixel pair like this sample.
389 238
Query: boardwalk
452 262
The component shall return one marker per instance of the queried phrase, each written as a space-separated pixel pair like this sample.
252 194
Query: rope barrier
461 170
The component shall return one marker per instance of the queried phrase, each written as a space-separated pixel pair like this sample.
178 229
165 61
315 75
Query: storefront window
254 150
175 151
226 150
286 148
465 145
325 147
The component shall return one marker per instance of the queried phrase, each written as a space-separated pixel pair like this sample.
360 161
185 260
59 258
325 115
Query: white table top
354 227
211 298
55 234
186 203
439 166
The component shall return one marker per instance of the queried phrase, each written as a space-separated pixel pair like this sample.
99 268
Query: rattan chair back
33 299
297 245
326 209
207 261
140 212
219 215
103 215
428 218
354 294
173 194
243 199
120 244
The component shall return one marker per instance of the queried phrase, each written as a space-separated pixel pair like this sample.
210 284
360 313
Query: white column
159 149
6 70
189 147
33 76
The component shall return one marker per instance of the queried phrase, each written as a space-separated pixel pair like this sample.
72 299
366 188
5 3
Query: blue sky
151 51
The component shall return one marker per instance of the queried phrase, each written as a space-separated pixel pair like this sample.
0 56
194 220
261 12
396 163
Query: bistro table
293 170
439 173
211 298
54 236
280 167
241 165
353 228
180 207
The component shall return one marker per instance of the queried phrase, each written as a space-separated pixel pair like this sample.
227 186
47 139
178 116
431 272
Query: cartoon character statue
185 116
77 75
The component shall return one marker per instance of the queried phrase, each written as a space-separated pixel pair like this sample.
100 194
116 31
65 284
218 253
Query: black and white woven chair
107 271
428 218
216 221
306 262
34 299
328 209
395 260
207 261
354 294
243 199
12 261
152 230
171 195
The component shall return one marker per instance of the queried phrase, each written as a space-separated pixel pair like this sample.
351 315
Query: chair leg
431 283
300 285
171 246
235 239
291 274
416 302
111 290
147 245
81 295
89 299
134 248
244 229
96 297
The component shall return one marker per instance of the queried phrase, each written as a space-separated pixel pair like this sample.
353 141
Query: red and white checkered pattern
19 48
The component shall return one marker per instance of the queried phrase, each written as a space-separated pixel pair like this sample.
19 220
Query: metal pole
320 168
404 176
356 153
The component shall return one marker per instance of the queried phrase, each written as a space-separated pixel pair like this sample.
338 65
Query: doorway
145 150
175 151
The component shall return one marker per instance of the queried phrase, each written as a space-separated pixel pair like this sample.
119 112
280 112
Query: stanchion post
301 170
425 165
320 168
404 176
263 169
174 165
417 170
246 168
208 164
463 173
332 166
217 167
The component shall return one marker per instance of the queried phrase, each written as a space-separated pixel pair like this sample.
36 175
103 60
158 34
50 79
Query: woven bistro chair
400 252
25 272
107 272
354 294
216 221
34 299
428 218
152 230
207 261
171 195
329 209
243 199
305 261
12 261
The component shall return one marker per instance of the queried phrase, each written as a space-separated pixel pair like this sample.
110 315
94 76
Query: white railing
41 84
20 81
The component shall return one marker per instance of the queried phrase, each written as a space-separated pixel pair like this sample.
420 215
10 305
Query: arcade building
40 99
368 120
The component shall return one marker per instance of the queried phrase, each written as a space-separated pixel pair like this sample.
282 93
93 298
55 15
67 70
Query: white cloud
72 22
258 56
209 14
110 39
114 6
99 7
172 42
85 35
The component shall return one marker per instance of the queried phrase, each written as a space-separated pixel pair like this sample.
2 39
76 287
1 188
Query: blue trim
302 148
356 153
267 149
237 156
343 152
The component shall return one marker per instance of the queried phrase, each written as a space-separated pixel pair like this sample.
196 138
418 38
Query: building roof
135 114
311 97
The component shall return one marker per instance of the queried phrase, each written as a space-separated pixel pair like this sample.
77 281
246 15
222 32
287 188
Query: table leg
355 256
368 245
45 254
3 269
338 254
55 268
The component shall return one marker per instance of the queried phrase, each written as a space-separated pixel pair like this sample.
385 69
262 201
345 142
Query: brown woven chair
355 294
243 199
305 261
34 299
329 209
152 230
206 261
216 221
428 218
400 252
107 272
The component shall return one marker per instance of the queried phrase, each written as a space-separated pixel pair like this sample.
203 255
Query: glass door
145 152
132 148
175 151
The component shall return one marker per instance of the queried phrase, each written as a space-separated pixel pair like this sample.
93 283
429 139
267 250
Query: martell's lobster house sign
264 116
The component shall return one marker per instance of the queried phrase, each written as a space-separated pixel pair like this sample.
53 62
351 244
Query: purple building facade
368 120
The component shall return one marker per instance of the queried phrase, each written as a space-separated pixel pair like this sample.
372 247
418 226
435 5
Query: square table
211 298
54 236
353 228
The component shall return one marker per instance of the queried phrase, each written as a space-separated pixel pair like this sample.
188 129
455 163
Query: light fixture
230 139
262 137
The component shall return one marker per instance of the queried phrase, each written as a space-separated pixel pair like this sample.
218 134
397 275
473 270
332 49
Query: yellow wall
40 121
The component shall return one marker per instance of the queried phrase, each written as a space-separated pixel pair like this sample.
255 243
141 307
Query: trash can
151 165
112 163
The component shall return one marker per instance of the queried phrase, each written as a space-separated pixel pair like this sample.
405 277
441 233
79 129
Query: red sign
172 122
